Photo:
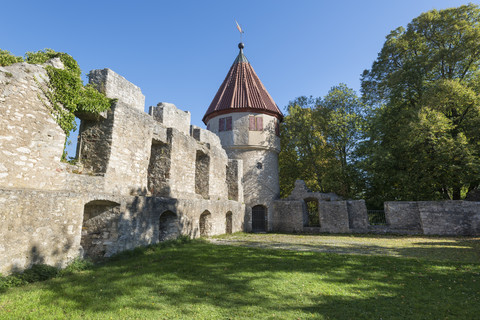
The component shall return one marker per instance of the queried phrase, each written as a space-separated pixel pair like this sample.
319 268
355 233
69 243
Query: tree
318 138
302 147
423 141
342 117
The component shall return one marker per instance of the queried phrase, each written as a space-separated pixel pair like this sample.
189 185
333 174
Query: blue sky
180 51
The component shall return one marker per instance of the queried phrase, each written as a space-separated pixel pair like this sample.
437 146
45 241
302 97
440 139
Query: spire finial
241 46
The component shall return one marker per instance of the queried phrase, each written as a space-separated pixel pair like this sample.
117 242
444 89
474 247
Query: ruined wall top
301 192
171 117
117 87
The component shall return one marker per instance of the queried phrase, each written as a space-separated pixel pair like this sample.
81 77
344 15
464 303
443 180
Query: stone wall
288 216
31 142
435 217
54 227
135 185
335 215
115 86
403 217
38 227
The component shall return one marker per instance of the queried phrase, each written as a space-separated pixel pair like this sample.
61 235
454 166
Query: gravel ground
459 249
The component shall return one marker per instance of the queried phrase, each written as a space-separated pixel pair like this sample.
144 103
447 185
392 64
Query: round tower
245 117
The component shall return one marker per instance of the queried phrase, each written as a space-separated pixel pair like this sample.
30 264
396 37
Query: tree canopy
318 138
414 134
423 141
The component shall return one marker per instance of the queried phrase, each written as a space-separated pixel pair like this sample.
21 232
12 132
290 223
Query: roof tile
242 91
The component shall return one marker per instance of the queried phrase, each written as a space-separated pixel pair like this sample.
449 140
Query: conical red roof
242 91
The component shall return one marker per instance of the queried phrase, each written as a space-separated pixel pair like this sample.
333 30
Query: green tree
302 147
318 137
342 119
423 141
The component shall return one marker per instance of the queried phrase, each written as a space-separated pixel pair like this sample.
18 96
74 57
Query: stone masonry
448 218
144 178
140 179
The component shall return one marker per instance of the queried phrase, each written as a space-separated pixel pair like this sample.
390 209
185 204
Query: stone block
205 136
357 215
171 117
403 215
115 86
287 216
450 217
333 216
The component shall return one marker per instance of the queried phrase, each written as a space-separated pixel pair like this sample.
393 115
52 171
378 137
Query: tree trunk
456 193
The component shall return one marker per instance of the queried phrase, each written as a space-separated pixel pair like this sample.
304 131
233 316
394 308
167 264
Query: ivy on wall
65 91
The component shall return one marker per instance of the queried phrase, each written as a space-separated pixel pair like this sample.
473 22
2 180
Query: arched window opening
168 227
99 228
205 224
259 219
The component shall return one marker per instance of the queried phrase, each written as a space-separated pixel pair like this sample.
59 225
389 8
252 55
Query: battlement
141 177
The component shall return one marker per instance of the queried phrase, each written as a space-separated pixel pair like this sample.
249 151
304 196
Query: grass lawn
199 280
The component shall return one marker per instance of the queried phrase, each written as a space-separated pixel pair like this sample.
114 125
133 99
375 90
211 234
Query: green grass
459 249
199 280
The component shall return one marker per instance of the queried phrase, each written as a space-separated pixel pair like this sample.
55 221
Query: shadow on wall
110 227
38 254
100 228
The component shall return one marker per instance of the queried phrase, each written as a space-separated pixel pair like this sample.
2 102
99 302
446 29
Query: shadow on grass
236 282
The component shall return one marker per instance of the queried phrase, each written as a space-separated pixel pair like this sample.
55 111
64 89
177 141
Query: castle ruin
143 178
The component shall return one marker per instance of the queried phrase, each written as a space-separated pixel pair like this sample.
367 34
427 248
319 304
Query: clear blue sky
180 51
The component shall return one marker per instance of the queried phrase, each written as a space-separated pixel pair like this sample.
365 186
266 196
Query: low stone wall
333 216
434 217
451 218
38 227
403 215
357 215
54 227
288 216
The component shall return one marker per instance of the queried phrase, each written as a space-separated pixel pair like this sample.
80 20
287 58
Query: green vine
6 58
65 91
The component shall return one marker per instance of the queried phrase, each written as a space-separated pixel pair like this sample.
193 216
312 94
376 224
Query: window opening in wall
159 169
277 128
259 165
202 168
228 222
99 227
205 224
225 124
259 219
231 178
168 226
312 211
376 217
255 123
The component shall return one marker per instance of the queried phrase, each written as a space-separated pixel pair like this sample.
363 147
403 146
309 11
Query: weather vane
239 30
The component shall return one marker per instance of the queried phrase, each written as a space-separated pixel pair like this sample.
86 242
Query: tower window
225 124
277 128
255 123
